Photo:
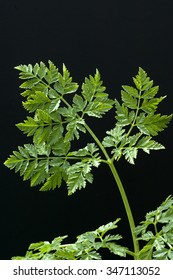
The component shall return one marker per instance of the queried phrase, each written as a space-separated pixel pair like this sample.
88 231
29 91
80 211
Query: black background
117 37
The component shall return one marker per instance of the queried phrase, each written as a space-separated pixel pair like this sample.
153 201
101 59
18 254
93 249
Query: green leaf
41 134
153 124
146 252
86 247
79 103
141 80
52 73
43 116
31 149
14 161
53 181
37 126
109 226
146 144
123 116
54 105
116 249
160 242
116 135
147 236
28 72
30 83
22 161
23 152
97 108
131 91
40 87
150 106
42 70
129 100
64 85
89 150
91 86
150 93
24 68
161 254
39 100
55 134
88 154
123 145
98 102
42 127
130 154
61 148
92 148
30 169
73 128
78 174
29 126
41 173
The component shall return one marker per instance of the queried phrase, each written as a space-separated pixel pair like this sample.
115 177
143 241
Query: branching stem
121 190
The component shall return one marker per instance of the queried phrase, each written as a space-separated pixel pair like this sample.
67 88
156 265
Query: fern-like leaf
137 112
98 102
157 231
86 247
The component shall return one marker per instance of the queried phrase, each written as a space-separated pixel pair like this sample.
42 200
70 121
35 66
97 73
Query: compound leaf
86 247
159 243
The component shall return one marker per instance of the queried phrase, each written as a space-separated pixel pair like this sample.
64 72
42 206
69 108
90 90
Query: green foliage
157 231
97 101
85 248
34 162
55 124
137 120
58 111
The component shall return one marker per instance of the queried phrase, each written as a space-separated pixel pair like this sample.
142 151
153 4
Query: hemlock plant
58 111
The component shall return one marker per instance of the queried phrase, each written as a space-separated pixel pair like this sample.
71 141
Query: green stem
121 190
127 207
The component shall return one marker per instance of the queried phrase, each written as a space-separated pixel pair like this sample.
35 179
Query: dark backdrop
117 37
